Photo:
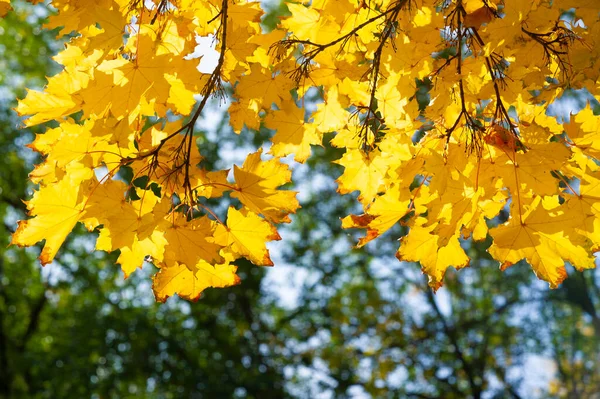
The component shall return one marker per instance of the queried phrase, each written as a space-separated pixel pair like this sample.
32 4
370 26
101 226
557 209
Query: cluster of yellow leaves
118 103
480 148
484 143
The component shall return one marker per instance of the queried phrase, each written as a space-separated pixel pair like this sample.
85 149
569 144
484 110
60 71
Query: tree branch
451 334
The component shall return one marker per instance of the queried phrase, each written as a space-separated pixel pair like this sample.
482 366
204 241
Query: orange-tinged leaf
478 17
4 7
504 139
385 212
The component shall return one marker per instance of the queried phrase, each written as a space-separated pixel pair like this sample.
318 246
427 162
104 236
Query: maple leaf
56 209
364 172
4 7
256 187
420 245
189 241
584 131
244 114
121 220
132 257
45 106
545 242
246 234
293 135
479 16
386 211
264 85
439 132
189 284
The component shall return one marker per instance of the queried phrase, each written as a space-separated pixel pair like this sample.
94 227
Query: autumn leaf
190 241
257 185
45 106
384 213
264 85
4 7
246 234
55 210
438 132
545 242
293 135
363 172
189 284
420 245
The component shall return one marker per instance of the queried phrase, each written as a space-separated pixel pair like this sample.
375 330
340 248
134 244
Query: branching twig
371 120
302 71
181 156
556 44
496 66
456 18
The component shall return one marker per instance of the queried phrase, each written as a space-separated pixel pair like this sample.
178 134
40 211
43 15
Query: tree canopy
360 323
441 108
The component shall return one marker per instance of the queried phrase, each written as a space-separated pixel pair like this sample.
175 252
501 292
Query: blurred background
326 322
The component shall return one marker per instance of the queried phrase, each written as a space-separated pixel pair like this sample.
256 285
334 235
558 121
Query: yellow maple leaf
392 103
420 245
132 227
386 211
120 219
45 106
584 131
544 239
244 114
190 241
264 86
146 77
364 172
443 154
292 134
240 48
305 22
132 257
256 186
246 234
331 114
179 95
211 184
189 284
55 210
530 172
